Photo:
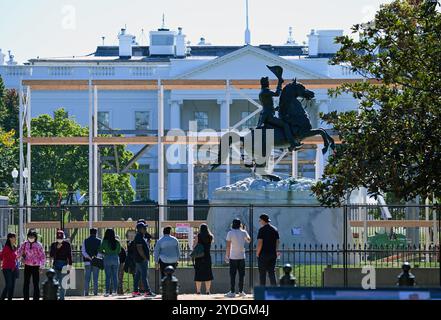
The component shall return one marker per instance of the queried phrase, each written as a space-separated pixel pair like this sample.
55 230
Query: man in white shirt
237 237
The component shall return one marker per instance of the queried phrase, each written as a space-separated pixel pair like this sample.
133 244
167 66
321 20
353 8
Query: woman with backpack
8 257
202 265
32 255
110 248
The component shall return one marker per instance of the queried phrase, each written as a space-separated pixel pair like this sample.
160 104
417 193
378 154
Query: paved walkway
181 297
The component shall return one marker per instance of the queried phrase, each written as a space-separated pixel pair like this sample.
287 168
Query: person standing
61 256
122 263
267 246
110 248
141 257
8 257
202 266
32 254
237 237
89 250
166 251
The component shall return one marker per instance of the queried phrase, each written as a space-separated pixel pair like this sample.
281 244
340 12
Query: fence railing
383 248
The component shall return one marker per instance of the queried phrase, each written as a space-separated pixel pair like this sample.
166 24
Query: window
202 120
143 183
142 120
250 123
201 186
103 120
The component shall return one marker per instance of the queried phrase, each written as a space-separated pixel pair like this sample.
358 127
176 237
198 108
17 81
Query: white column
319 162
295 164
175 179
90 153
323 107
28 153
95 153
225 126
161 162
363 198
175 114
21 178
190 187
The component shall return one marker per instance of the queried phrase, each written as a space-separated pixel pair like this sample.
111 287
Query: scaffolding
93 141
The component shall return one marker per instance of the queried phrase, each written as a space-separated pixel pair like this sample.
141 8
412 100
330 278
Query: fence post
156 236
345 245
62 217
438 216
251 256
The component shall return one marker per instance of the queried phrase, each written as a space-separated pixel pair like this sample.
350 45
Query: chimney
181 45
322 42
126 42
313 44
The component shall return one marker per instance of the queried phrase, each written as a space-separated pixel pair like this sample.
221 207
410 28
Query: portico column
319 162
225 126
295 165
323 107
175 179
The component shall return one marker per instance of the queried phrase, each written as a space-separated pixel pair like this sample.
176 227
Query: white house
169 57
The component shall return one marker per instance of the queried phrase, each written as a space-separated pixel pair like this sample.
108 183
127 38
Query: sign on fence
183 228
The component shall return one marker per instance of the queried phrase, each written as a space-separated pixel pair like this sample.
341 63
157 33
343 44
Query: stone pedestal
293 210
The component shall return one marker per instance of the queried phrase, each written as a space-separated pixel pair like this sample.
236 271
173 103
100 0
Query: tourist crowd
133 257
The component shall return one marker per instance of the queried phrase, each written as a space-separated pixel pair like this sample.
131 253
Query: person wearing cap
141 257
166 251
61 259
267 245
89 250
237 237
32 255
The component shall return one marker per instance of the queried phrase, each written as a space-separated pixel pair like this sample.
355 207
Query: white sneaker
106 295
114 294
242 294
230 295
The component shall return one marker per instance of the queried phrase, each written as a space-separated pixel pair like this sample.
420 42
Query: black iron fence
367 237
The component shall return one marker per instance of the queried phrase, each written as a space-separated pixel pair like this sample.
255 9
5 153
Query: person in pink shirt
8 257
32 255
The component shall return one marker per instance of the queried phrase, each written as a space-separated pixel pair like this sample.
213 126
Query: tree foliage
64 169
392 144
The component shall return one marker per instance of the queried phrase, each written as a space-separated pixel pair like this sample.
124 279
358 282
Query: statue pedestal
306 224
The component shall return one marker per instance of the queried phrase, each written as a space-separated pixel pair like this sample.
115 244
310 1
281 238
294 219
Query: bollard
50 286
406 278
287 279
169 285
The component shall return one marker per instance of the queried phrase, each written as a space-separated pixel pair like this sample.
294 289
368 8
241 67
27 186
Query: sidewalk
180 297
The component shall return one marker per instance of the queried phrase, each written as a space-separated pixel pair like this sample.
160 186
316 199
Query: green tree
8 141
64 169
392 144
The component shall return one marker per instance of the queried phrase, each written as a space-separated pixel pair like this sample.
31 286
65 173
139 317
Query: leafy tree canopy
392 144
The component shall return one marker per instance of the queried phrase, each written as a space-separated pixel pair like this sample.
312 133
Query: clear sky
58 28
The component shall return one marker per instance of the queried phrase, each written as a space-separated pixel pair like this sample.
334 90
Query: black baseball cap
265 217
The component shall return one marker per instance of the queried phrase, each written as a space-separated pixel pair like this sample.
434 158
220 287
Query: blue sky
58 28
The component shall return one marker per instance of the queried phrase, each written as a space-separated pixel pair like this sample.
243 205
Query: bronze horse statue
254 142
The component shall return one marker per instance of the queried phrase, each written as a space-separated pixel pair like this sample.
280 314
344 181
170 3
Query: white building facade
169 57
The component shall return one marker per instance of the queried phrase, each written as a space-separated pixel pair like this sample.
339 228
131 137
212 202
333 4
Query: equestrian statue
290 127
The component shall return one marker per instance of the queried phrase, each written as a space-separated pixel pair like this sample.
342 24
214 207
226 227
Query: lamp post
16 186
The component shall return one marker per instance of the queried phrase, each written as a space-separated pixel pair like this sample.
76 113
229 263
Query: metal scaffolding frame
93 140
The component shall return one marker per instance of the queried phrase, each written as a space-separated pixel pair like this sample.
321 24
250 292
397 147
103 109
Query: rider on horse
267 116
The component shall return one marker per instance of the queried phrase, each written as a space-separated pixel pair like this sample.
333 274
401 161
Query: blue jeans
141 274
111 266
10 277
58 266
90 270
